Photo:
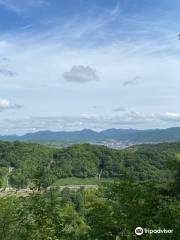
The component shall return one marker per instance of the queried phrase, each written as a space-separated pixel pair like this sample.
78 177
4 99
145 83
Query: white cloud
134 120
6 104
81 74
170 114
170 117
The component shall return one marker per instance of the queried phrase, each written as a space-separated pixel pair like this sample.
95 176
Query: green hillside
140 187
30 163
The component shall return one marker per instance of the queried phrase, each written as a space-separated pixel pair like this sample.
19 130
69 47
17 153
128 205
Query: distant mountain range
86 135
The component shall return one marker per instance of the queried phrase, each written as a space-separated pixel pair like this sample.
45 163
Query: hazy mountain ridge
124 135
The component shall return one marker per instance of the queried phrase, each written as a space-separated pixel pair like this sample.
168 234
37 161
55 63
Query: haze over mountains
123 135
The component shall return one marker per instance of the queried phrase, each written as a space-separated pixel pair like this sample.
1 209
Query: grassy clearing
81 181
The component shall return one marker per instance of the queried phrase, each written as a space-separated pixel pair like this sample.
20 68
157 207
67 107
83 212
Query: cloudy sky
69 65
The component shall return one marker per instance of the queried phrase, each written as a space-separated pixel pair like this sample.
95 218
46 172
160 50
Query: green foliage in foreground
112 212
31 165
146 194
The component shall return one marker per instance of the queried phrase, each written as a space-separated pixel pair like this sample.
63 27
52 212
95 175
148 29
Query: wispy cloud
7 73
119 109
5 68
134 81
118 47
19 6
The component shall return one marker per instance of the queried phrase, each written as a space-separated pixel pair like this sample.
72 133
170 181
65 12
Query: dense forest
144 191
25 163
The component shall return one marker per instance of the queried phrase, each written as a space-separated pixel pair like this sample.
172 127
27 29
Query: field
81 181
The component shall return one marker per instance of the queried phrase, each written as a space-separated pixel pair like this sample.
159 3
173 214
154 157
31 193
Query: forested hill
28 165
86 135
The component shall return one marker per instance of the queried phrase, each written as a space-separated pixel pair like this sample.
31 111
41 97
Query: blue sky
69 65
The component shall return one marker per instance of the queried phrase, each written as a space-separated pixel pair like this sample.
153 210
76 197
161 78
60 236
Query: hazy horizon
81 130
